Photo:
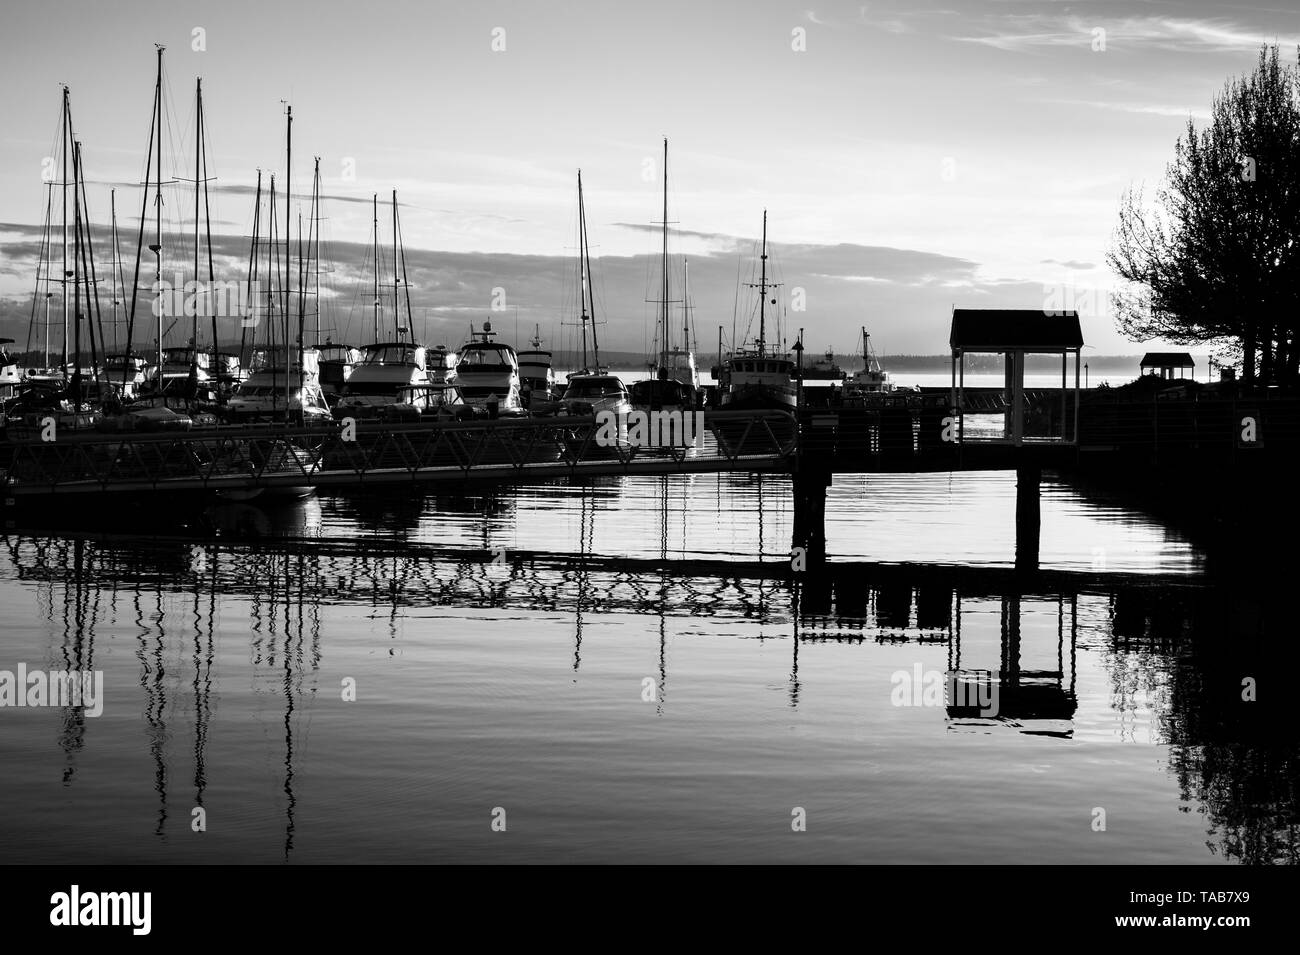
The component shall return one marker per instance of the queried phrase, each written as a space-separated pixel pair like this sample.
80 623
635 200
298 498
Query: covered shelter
1168 364
1013 414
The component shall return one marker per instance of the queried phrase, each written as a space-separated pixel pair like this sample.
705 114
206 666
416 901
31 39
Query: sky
911 155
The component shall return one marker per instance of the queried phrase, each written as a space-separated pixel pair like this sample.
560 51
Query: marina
407 459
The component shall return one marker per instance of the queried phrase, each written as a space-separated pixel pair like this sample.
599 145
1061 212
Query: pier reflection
1180 650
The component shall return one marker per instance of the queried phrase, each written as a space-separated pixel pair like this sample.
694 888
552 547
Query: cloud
1145 109
904 295
1034 32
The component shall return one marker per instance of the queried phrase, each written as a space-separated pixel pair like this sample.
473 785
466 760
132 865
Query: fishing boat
758 377
592 389
825 369
870 383
487 373
674 382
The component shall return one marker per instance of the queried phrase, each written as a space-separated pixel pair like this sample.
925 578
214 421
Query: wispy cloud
1033 32
1145 109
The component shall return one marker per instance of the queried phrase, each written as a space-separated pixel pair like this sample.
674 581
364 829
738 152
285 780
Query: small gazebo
1168 364
1013 414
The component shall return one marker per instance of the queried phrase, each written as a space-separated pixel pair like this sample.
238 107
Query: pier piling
809 484
1029 475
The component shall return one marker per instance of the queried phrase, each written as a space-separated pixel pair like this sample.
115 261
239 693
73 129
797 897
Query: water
930 378
624 668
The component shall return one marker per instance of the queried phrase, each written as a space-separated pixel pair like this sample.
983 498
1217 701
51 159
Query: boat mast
94 318
271 259
156 248
198 146
663 362
288 274
686 315
374 201
63 169
762 291
397 311
154 132
75 381
406 285
117 261
252 270
315 226
207 229
45 255
302 292
582 274
585 251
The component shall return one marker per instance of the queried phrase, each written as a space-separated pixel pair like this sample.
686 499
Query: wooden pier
1217 436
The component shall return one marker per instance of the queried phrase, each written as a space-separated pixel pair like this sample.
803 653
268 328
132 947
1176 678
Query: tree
1216 259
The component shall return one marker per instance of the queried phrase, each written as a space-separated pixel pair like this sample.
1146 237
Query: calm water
626 670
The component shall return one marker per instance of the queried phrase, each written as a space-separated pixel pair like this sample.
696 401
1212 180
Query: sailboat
393 369
675 382
178 382
284 378
72 391
592 389
336 359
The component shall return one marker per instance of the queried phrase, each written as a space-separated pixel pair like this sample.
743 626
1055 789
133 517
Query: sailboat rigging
674 381
592 389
